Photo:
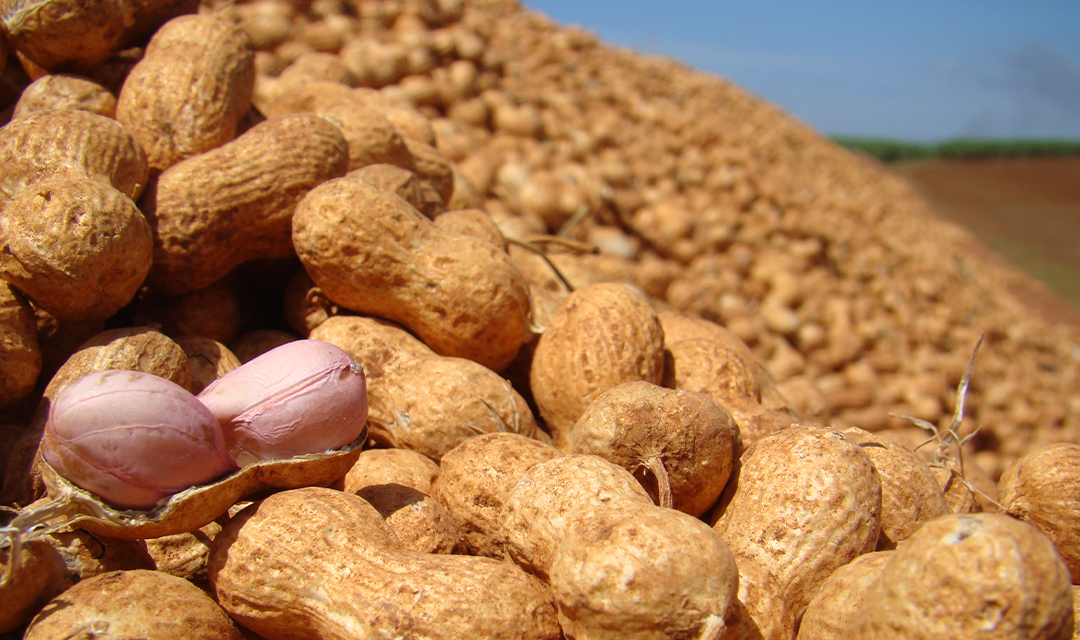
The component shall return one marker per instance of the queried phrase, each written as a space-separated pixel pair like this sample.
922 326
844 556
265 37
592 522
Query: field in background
1027 209
891 151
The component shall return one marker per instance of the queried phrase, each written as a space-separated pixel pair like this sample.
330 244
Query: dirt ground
1027 210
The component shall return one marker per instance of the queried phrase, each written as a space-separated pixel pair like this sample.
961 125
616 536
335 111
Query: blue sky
916 70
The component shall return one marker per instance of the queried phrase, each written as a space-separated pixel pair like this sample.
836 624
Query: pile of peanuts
644 357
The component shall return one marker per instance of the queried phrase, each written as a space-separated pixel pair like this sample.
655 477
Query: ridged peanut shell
476 477
19 347
208 358
830 613
417 519
337 572
119 604
38 577
235 203
212 312
807 501
629 573
1043 489
392 466
638 425
910 494
602 336
679 327
189 91
551 497
972 576
425 403
372 139
63 91
406 184
70 142
370 251
60 35
77 247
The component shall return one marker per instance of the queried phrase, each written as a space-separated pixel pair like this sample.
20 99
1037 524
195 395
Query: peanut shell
235 203
338 572
1043 489
602 336
975 576
461 295
190 90
807 501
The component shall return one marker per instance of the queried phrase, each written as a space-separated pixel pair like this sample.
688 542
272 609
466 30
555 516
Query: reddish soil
1027 210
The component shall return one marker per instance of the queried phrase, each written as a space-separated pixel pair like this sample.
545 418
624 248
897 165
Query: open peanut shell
195 507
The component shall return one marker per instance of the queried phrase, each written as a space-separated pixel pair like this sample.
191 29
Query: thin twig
565 242
950 449
575 220
547 260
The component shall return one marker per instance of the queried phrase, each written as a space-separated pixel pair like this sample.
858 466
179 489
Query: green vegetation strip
897 151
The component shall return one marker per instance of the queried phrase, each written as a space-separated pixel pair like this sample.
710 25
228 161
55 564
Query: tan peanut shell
417 519
910 494
392 466
429 403
19 347
679 327
432 167
338 572
602 336
406 184
807 501
208 360
960 497
306 307
680 440
370 251
540 510
471 222
190 90
475 478
1076 610
60 35
830 613
253 344
1043 489
716 368
184 555
211 312
974 576
235 203
617 564
77 247
43 144
119 604
626 573
63 91
372 139
37 578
